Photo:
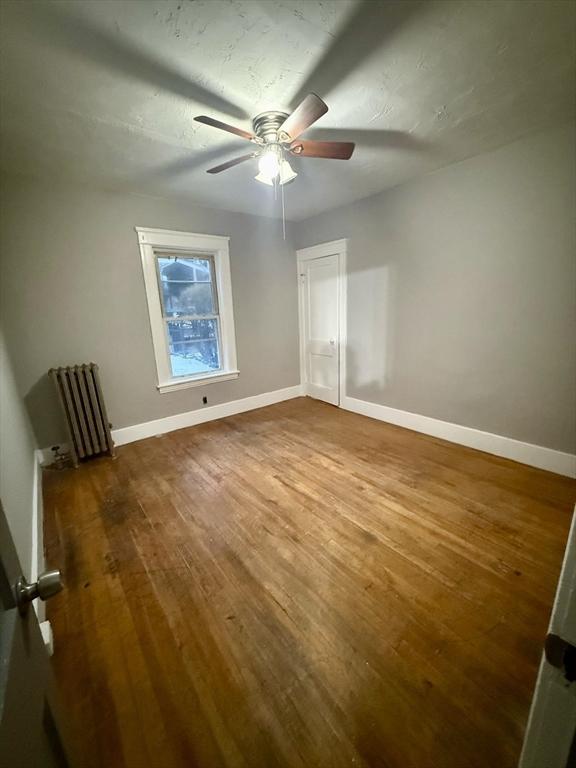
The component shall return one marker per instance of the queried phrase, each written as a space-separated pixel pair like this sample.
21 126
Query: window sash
217 339
186 318
209 257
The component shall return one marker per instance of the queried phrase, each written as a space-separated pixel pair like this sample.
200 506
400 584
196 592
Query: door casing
338 248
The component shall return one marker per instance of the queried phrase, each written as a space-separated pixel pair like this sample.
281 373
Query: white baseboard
135 432
37 543
47 455
47 635
36 501
37 519
211 413
200 416
525 453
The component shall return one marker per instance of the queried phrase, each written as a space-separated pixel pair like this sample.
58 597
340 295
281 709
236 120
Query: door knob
49 583
332 342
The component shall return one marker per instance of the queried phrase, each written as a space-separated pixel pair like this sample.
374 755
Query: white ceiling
105 91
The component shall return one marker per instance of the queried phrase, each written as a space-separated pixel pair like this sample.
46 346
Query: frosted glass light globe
269 165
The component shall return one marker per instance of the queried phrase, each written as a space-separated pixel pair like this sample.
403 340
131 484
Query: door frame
338 248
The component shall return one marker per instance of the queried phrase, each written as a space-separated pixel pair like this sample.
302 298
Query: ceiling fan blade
307 112
231 163
185 164
385 138
331 150
224 126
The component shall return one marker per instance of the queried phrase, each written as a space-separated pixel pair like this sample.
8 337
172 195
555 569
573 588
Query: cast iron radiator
80 394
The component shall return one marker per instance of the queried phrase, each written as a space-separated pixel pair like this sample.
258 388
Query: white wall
462 292
17 463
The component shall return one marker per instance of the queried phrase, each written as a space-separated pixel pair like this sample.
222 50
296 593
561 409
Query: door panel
320 309
550 740
30 729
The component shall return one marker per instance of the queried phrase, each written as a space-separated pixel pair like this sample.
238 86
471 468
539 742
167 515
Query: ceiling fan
277 136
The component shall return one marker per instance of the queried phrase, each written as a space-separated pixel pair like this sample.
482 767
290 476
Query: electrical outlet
205 400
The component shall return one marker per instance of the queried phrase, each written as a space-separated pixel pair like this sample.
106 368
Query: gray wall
462 292
16 462
73 291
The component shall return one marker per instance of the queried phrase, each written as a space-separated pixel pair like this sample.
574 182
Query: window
190 312
187 278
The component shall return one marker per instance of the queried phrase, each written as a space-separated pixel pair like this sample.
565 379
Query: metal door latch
49 583
562 655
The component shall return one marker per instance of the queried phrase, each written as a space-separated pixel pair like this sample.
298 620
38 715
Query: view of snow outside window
190 311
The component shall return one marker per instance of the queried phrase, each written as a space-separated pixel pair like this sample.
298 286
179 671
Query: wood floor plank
302 587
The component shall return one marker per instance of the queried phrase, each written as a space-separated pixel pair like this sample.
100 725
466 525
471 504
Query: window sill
196 381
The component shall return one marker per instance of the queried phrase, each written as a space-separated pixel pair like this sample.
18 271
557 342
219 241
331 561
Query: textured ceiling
105 92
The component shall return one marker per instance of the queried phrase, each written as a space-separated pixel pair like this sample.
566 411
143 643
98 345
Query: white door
320 340
32 730
550 740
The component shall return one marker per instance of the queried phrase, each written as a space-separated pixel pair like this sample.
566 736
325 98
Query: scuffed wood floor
301 586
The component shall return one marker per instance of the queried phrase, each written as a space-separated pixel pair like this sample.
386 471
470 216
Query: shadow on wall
45 413
371 348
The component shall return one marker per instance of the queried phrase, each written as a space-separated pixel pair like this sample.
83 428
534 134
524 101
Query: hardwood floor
302 586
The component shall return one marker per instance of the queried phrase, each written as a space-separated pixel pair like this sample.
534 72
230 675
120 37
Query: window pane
193 346
186 286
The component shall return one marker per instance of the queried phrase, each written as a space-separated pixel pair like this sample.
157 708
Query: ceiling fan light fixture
284 175
264 179
269 165
287 173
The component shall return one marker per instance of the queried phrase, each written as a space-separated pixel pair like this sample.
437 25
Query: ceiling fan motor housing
267 125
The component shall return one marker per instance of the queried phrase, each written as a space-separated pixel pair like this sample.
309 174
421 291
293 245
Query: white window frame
152 240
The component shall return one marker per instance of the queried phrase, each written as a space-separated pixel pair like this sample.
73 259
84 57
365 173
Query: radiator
80 394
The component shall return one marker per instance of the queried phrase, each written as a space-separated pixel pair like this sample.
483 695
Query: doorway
322 315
